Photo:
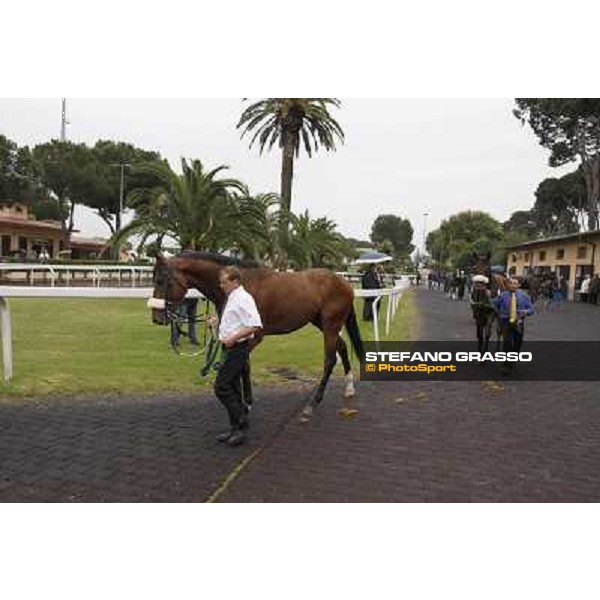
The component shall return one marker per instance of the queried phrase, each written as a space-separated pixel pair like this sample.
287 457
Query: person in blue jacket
512 306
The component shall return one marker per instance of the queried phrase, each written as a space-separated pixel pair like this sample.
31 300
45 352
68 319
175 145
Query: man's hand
228 342
212 320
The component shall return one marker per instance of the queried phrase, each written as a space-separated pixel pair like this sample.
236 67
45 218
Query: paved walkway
470 441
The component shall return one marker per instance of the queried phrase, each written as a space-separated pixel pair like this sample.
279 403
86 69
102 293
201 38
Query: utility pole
64 121
119 214
121 193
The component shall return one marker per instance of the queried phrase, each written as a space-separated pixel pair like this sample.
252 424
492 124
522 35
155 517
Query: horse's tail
354 334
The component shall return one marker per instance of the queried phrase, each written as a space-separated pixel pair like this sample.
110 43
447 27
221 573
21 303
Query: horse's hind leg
331 336
342 350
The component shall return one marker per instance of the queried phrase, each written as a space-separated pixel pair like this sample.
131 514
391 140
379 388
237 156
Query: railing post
375 320
6 339
388 313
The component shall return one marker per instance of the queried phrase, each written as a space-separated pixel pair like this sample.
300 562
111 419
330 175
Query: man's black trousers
513 335
228 385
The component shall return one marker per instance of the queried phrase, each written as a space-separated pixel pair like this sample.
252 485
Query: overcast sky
407 157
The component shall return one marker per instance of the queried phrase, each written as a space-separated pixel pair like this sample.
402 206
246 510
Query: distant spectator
370 281
43 255
594 289
564 288
187 309
585 288
381 276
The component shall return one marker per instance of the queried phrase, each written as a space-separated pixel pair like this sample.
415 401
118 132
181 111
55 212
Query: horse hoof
306 414
349 393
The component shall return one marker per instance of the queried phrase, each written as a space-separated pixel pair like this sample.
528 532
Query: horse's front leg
479 335
487 334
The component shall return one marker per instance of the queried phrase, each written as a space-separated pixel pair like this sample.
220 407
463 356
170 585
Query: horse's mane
221 259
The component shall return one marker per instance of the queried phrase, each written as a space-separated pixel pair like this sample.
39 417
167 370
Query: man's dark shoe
237 438
223 437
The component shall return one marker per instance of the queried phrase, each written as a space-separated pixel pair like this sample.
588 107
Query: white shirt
240 311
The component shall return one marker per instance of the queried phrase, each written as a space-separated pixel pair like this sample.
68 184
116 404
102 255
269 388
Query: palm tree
258 215
195 208
316 243
292 122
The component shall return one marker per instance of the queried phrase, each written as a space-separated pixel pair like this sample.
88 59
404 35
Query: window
514 258
581 251
526 257
560 254
542 255
512 271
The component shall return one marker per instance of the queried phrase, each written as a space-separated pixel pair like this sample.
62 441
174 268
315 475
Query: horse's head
481 263
170 286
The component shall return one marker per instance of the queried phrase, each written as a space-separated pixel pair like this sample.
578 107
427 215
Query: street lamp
425 215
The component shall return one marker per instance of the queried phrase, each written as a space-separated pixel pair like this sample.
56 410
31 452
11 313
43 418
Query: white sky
401 156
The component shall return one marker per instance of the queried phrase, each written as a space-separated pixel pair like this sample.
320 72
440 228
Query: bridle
179 324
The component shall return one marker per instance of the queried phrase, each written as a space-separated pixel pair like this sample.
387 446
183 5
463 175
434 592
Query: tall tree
19 180
14 180
523 222
105 194
396 230
570 129
464 234
68 171
194 208
291 123
558 204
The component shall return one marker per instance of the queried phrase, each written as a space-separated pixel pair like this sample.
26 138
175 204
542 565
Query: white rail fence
131 274
7 292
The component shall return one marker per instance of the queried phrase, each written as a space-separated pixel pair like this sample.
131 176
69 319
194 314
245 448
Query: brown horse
481 301
497 283
286 302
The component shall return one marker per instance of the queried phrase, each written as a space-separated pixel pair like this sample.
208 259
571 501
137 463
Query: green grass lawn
86 346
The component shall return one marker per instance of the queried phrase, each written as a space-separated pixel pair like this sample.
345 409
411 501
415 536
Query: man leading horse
240 321
513 305
286 302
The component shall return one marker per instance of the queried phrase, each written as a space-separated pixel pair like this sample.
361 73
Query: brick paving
411 442
155 449
445 442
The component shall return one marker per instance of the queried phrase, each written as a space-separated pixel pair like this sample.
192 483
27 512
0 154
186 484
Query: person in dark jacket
370 281
594 289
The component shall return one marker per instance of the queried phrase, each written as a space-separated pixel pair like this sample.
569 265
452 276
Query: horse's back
288 301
